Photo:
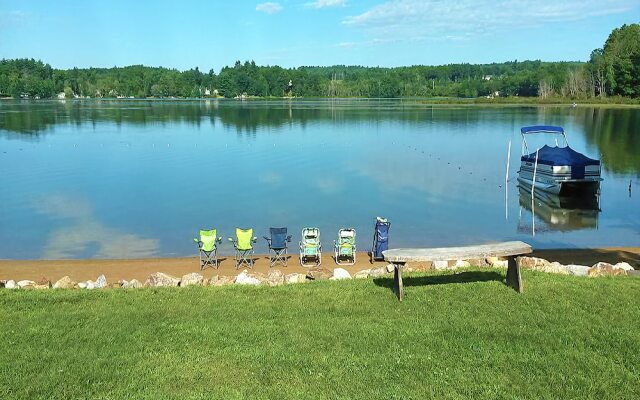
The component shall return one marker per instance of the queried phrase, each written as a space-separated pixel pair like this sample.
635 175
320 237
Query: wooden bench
398 257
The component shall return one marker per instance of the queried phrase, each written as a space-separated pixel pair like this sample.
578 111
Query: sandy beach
140 269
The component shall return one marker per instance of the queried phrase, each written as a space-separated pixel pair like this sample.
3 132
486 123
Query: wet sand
114 270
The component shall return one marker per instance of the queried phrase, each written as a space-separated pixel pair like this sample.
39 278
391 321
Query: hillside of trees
613 70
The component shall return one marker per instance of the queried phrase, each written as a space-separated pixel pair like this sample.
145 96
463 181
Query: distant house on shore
207 92
61 95
487 77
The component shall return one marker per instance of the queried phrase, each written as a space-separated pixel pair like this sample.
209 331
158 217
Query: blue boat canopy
541 129
560 156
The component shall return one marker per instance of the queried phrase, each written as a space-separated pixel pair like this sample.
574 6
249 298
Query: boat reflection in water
558 213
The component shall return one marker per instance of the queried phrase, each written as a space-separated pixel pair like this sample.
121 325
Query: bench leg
514 279
397 281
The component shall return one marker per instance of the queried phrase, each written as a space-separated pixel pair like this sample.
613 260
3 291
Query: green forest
613 70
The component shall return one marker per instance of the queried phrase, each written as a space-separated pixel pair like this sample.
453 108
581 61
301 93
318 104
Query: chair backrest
208 239
382 229
278 238
311 237
347 237
244 237
381 236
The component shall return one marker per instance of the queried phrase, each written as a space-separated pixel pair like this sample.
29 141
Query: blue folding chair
278 246
380 238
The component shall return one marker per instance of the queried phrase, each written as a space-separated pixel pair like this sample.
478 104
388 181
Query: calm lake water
112 179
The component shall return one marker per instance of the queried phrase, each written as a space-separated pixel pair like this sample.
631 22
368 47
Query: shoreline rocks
598 269
319 274
377 272
10 284
244 278
26 284
101 282
291 279
340 273
276 277
606 269
364 273
64 283
193 278
160 279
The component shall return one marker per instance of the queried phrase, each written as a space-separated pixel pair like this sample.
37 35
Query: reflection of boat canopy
557 169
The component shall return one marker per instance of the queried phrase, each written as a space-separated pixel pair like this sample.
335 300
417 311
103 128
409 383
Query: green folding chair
243 246
345 247
208 247
310 247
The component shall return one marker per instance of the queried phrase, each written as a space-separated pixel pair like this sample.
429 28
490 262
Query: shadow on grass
461 277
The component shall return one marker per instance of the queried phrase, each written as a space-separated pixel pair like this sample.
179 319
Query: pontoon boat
558 170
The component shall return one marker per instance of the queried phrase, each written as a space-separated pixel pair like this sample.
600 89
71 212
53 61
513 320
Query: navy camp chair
278 246
380 238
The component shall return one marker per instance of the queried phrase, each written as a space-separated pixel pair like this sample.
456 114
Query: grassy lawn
454 336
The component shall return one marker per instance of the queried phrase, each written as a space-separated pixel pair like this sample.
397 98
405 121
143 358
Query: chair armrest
289 238
196 240
254 239
219 239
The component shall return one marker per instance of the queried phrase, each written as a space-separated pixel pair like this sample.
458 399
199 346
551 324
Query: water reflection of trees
616 133
37 117
613 131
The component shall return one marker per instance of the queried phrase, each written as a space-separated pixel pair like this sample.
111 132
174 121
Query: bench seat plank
504 249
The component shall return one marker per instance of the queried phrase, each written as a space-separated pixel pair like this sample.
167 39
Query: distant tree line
611 70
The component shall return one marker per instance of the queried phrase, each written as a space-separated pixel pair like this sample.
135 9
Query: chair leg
278 256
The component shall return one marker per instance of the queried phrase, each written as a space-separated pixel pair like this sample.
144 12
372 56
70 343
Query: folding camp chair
380 238
310 247
208 248
243 247
278 246
345 247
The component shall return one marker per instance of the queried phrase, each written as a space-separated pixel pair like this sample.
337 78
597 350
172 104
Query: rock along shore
277 277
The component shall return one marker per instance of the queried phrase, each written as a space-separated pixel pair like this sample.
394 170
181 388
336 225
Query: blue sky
211 34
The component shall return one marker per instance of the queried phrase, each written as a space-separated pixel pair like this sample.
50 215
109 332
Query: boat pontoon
558 170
